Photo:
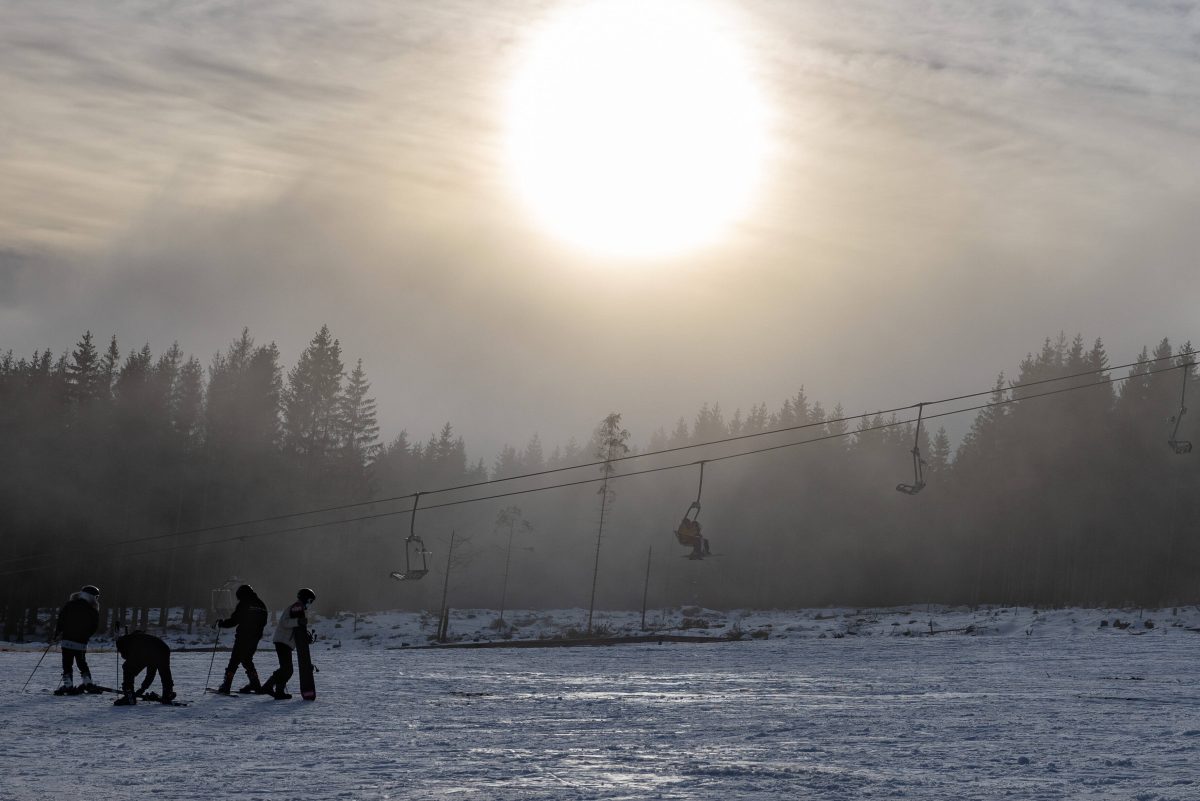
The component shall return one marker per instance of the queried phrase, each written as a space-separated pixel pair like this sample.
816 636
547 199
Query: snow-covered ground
1045 705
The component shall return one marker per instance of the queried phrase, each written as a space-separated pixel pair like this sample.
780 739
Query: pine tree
532 458
710 424
939 452
359 426
110 366
758 420
187 403
507 463
680 435
311 408
86 380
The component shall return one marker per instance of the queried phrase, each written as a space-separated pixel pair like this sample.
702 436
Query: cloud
951 182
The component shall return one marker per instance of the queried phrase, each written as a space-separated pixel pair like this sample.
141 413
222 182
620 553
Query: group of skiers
79 619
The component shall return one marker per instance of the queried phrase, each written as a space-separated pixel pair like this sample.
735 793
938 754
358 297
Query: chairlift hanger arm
412 520
918 463
1181 446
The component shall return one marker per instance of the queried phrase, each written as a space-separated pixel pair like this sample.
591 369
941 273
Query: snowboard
308 687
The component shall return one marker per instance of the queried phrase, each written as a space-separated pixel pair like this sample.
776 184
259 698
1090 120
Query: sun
635 129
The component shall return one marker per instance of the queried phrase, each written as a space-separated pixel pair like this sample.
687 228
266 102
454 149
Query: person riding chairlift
689 534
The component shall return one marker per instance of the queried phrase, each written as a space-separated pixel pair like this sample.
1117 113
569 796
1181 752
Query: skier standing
144 651
250 617
293 623
77 622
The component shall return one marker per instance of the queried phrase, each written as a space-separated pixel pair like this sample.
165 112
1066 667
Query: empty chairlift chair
416 557
918 463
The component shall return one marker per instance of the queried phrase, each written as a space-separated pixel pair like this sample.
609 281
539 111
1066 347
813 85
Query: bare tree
511 519
610 441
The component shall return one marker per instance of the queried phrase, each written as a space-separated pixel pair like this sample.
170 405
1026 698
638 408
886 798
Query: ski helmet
306 595
90 589
244 592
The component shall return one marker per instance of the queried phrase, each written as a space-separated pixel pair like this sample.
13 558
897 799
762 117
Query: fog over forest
446 228
135 469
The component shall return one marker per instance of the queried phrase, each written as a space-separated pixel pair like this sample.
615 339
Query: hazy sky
945 183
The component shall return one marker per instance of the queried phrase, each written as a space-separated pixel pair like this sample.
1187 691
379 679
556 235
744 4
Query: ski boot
279 693
86 685
253 686
68 685
127 699
168 696
227 684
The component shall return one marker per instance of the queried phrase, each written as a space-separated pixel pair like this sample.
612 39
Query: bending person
146 652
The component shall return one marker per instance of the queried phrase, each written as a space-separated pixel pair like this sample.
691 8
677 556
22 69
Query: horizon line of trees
1071 499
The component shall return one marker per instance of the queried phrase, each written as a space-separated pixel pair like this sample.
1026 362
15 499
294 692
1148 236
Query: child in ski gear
143 651
293 623
77 622
250 617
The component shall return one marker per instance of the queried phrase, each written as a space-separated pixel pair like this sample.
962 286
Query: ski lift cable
1104 382
647 454
342 507
592 480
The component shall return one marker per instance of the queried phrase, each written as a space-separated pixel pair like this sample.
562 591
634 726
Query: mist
945 188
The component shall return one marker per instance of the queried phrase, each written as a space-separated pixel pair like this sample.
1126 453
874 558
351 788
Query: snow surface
830 704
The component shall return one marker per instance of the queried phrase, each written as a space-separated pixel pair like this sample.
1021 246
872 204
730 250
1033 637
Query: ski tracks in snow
936 719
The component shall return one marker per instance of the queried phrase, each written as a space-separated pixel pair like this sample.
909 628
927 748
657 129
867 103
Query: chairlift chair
1181 446
918 463
688 532
222 598
416 556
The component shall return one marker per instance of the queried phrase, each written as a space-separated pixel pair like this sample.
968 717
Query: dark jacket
144 650
77 622
250 617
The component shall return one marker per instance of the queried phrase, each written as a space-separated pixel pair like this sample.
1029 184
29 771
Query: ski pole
208 678
117 630
49 645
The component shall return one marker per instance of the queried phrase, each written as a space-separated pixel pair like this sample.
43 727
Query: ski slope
1032 706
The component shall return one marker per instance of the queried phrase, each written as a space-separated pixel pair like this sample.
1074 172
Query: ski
93 689
308 687
153 697
215 691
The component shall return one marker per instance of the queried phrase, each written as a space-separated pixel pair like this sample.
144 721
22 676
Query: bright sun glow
635 129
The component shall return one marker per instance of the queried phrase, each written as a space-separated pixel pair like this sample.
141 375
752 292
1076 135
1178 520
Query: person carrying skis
146 652
293 623
77 622
250 617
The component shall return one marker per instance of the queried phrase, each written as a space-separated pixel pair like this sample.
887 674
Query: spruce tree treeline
1070 499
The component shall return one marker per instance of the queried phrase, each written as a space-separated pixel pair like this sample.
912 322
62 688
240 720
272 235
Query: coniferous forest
160 478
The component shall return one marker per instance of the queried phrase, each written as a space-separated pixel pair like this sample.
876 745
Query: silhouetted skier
293 623
250 617
143 651
77 622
